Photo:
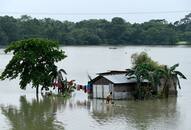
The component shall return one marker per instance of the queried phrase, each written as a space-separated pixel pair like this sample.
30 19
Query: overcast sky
76 10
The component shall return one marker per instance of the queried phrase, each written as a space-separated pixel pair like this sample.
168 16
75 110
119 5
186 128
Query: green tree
10 28
143 58
33 61
95 31
140 73
3 37
147 79
116 30
171 77
144 68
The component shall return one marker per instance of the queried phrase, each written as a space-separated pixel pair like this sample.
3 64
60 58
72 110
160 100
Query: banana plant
171 74
140 73
58 80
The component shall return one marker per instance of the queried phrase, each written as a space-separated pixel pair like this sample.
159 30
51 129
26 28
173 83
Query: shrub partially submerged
144 68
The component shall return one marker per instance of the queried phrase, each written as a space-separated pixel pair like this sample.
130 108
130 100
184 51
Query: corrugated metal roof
113 72
120 79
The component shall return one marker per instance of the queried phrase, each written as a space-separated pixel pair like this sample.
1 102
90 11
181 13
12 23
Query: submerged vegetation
160 77
34 61
64 86
96 32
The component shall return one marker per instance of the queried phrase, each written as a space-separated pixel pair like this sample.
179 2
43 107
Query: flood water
19 109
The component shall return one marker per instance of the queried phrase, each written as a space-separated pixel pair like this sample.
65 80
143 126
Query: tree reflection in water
35 115
43 114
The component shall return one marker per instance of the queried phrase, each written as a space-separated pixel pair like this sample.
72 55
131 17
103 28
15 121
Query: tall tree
144 68
171 78
95 31
33 61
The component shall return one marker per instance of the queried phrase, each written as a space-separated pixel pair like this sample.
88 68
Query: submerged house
121 86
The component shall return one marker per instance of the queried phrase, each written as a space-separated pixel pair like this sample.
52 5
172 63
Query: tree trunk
175 86
164 91
37 90
167 91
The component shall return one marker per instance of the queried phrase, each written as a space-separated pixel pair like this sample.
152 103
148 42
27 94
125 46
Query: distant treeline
96 32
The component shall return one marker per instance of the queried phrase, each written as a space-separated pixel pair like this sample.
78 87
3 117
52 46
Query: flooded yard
19 109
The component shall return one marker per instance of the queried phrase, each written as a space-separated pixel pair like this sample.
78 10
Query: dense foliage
33 61
64 86
145 69
96 32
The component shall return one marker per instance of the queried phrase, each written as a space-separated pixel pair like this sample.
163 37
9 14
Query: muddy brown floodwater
19 109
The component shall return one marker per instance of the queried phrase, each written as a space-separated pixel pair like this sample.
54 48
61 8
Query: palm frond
180 74
129 72
62 70
172 68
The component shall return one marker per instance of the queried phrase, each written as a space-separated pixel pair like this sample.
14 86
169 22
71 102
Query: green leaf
172 68
34 61
180 74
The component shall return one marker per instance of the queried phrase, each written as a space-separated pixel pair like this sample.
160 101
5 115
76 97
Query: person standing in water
109 98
